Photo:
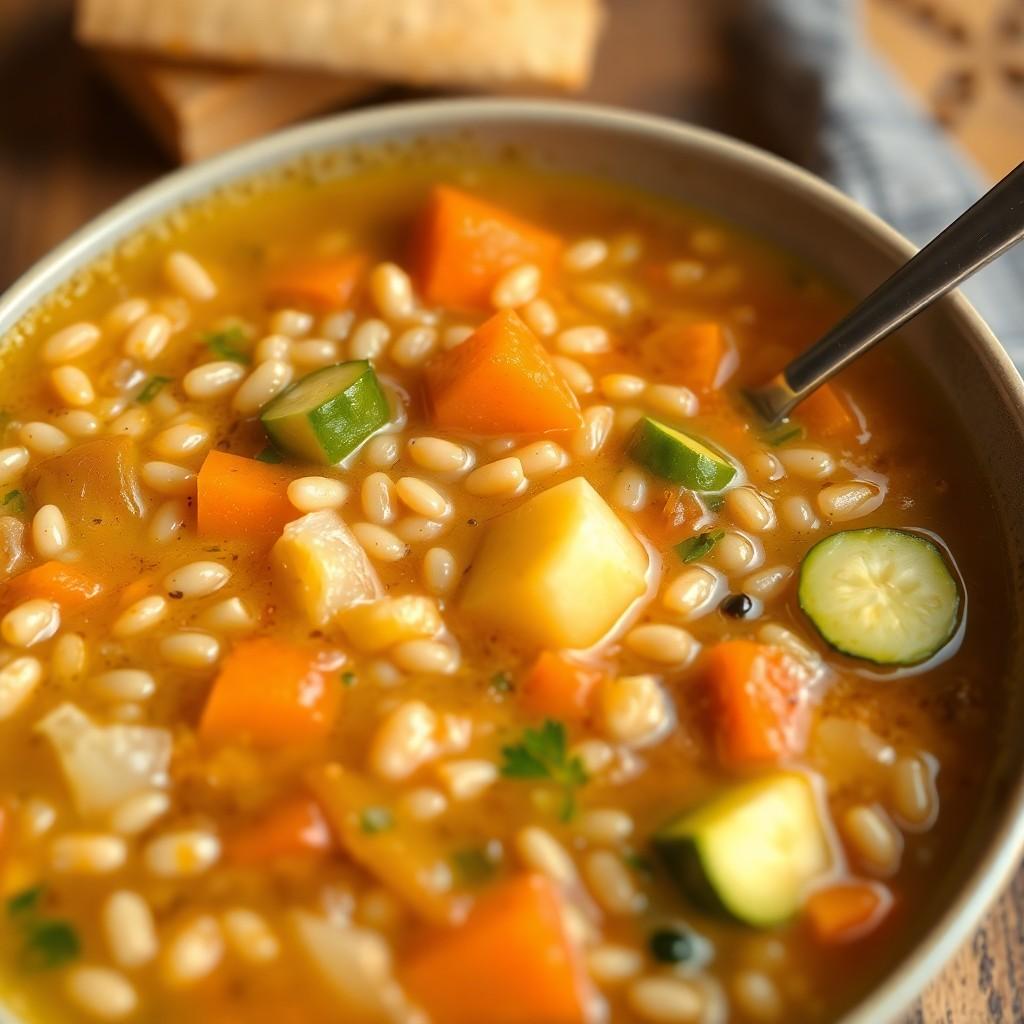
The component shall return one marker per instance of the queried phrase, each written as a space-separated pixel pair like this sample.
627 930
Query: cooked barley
168 521
605 825
378 498
148 337
131 684
197 579
86 853
440 456
266 381
875 841
18 681
405 741
612 965
629 489
413 346
915 799
846 501
383 451
505 476
169 479
797 514
193 953
808 463
621 387
181 854
379 543
735 552
71 342
124 314
315 353
73 386
426 657
77 423
392 292
68 657
666 1000
440 572
516 287
583 341
292 323
182 441
692 593
611 883
757 996
43 439
586 254
609 298
13 462
231 615
591 437
134 422
667 645
541 318
31 622
541 459
540 850
424 803
454 336
467 779
100 992
369 339
190 649
212 380
273 346
633 709
139 812
49 532
338 325
576 375
767 583
140 617
130 929
187 276
669 400
314 493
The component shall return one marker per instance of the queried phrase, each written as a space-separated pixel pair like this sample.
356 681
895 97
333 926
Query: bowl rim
999 857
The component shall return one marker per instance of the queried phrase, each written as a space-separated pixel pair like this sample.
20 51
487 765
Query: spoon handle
986 230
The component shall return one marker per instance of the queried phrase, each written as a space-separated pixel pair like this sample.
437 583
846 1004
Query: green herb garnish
694 548
714 502
16 502
543 754
783 433
224 344
26 901
375 819
348 679
46 942
152 388
270 454
474 866
501 682
638 862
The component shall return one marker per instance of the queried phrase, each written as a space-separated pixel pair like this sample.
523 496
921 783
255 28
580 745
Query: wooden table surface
69 148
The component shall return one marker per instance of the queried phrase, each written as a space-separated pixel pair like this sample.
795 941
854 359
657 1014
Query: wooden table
69 148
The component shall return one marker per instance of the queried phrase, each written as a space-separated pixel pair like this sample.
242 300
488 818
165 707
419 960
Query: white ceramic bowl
784 204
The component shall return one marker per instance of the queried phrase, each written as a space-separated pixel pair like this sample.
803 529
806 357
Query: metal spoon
990 227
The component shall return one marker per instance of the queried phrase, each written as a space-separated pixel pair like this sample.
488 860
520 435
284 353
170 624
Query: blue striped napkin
831 105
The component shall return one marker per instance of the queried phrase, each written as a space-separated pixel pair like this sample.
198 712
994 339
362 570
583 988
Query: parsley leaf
49 943
783 433
225 344
348 679
714 501
270 454
474 865
152 388
543 754
26 901
16 501
501 682
694 548
375 819
46 942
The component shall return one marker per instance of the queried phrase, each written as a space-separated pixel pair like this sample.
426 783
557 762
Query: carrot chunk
500 381
67 586
292 828
758 703
694 352
847 911
240 497
320 286
825 413
510 963
270 693
558 687
466 244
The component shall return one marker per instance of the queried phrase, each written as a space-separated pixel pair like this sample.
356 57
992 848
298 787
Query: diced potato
558 570
321 567
390 621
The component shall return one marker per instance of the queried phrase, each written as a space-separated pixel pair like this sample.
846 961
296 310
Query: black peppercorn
671 945
737 606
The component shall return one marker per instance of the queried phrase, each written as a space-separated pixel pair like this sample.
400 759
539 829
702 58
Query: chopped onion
356 965
106 764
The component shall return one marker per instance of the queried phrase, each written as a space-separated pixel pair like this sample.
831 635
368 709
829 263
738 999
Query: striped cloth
832 106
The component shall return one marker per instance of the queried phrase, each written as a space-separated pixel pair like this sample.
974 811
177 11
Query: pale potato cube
559 570
321 568
390 621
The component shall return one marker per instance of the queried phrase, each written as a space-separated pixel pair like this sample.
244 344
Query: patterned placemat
965 59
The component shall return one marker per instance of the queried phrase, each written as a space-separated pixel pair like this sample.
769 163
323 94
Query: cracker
494 44
196 111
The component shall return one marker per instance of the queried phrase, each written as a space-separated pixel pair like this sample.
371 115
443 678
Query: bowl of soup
405 619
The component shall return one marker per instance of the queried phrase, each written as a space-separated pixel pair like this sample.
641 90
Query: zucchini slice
880 594
675 456
327 414
750 853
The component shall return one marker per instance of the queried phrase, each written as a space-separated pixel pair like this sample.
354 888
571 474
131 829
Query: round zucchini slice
880 594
